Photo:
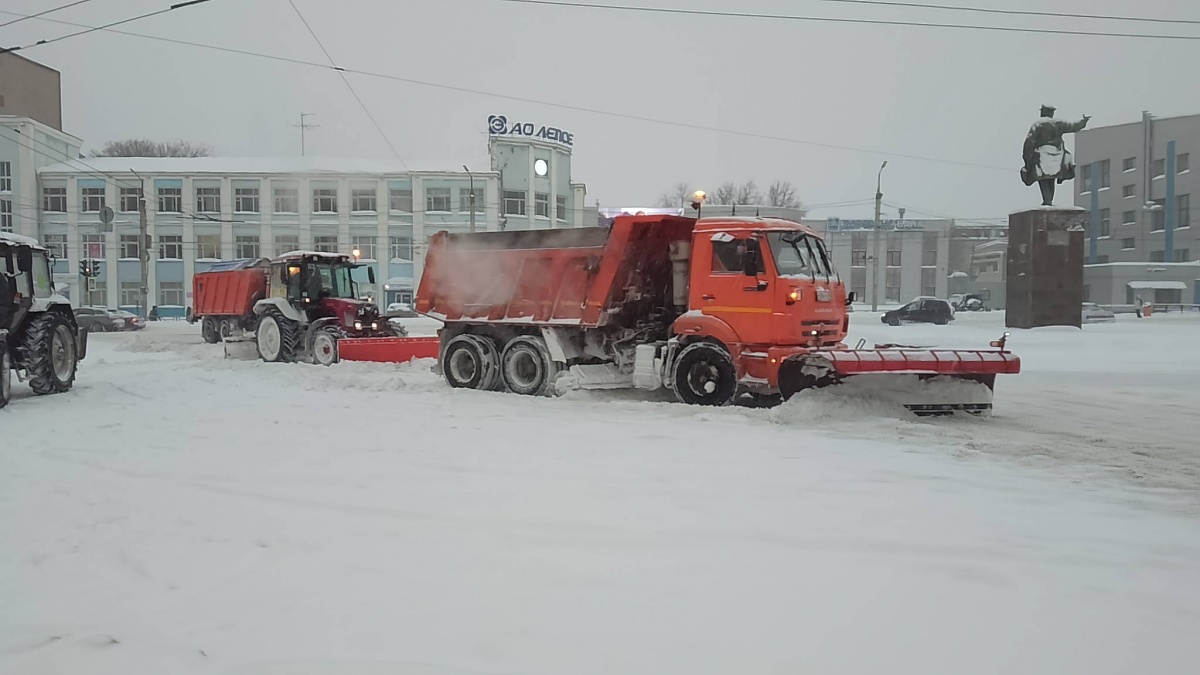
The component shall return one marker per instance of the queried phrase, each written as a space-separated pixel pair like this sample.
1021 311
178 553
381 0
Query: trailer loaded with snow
709 308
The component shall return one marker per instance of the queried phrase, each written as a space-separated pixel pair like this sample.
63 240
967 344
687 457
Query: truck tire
226 328
471 362
209 330
703 374
278 337
50 354
5 375
526 366
325 347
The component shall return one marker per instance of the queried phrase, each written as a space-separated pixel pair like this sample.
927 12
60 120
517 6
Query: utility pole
143 248
878 202
304 125
472 179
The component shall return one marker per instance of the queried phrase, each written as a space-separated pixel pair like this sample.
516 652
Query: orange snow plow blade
387 349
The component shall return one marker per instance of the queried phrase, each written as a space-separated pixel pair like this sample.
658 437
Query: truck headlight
357 325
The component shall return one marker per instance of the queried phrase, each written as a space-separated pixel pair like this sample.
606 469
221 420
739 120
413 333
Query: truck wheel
324 347
526 366
278 337
49 354
208 330
5 375
704 375
471 362
226 328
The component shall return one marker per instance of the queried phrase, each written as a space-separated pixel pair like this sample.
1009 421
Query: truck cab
762 281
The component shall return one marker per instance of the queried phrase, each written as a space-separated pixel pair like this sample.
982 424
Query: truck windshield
799 254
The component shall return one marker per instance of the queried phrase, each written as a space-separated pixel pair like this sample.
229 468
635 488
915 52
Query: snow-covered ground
177 513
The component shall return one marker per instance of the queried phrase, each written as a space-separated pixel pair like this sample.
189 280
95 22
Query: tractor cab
321 285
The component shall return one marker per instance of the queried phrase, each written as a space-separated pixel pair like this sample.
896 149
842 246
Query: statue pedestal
1045 267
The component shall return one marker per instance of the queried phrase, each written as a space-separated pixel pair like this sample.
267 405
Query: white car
1093 313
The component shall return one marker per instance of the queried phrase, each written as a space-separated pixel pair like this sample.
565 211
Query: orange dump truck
709 308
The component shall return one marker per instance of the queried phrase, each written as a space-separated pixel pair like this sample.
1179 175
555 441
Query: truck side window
728 256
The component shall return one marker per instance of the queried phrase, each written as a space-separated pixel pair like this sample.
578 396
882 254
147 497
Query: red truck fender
697 325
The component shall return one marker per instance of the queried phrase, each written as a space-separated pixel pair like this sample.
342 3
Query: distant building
30 89
205 209
25 146
914 256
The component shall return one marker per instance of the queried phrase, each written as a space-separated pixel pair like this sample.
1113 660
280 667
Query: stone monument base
1045 267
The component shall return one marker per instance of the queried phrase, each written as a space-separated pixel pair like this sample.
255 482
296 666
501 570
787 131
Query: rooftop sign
498 125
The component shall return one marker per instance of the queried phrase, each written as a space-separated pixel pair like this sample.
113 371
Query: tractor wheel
527 368
278 337
704 375
209 330
49 354
471 362
324 347
5 375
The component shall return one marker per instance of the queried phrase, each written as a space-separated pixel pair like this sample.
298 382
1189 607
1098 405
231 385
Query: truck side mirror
24 259
371 274
751 261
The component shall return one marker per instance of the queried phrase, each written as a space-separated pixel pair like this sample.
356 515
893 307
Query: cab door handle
708 297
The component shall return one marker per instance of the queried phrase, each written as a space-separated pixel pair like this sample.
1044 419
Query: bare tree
144 147
725 194
679 195
747 193
783 193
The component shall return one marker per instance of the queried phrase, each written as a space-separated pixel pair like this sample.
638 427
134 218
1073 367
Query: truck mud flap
81 344
388 349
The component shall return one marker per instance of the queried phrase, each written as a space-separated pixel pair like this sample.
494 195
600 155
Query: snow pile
866 396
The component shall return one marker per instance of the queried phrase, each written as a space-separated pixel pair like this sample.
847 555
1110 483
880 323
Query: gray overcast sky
967 96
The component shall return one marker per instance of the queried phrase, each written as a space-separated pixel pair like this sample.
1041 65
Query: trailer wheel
526 366
209 331
5 375
324 347
278 337
704 375
471 362
226 328
50 354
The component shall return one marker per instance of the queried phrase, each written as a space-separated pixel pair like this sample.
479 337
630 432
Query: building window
287 199
1104 179
1104 223
560 207
858 282
326 243
170 247
286 243
170 293
91 199
929 281
247 245
1129 218
365 247
892 287
437 200
56 244
1184 208
129 199
6 215
400 199
97 295
514 202
1128 191
893 250
858 249
1085 178
1182 255
1129 164
1128 244
893 258
541 204
1158 219
130 294
54 199
208 200
93 246
929 249
170 200
464 200
129 247
5 176
325 200
208 247
1158 168
245 200
362 200
402 248
1156 256
1183 163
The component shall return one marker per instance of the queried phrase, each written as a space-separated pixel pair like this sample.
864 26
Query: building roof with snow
261 166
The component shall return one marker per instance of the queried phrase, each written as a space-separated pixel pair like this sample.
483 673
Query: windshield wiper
815 258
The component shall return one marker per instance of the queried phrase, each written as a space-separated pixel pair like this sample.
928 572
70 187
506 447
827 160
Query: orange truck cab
710 308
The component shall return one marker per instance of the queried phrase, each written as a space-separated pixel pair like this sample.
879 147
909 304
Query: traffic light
85 268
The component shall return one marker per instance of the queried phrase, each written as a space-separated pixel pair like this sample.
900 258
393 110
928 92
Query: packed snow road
181 513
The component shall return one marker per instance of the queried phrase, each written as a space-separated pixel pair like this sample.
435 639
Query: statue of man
1047 161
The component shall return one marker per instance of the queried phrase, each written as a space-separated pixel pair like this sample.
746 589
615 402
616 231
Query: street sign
106 215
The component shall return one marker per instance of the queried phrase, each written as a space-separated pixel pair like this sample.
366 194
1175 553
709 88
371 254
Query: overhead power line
561 106
44 13
829 19
90 29
342 73
1013 12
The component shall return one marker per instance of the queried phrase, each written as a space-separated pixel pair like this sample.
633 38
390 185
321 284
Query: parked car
400 310
1093 313
129 320
921 310
97 320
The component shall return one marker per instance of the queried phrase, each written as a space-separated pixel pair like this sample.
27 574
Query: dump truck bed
551 277
228 292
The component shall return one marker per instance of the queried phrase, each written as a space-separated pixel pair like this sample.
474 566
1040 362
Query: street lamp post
471 177
878 202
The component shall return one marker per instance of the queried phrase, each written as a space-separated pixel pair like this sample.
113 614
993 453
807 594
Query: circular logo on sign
498 124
